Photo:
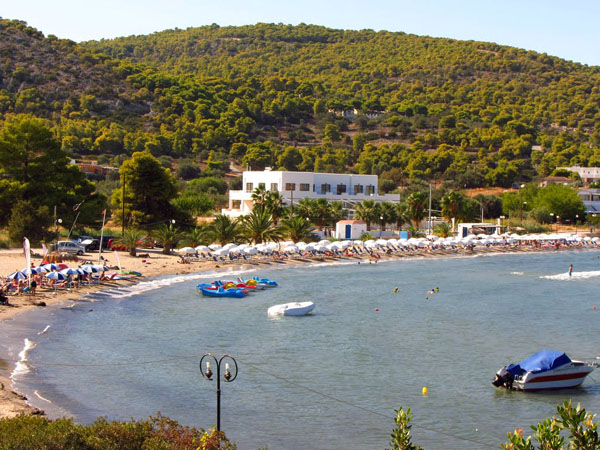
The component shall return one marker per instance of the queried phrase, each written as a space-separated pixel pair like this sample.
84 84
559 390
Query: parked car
114 244
146 242
90 245
68 247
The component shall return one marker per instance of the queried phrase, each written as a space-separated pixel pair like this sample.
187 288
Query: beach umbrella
250 251
80 271
42 269
30 271
214 246
324 242
69 271
17 276
56 276
51 266
202 248
89 268
230 245
101 268
291 248
187 250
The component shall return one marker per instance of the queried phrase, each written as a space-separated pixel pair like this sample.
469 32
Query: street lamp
557 222
380 225
521 203
207 373
173 221
576 220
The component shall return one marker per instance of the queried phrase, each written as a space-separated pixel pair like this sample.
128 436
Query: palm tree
257 227
452 204
274 204
387 214
130 238
443 229
367 211
168 235
259 195
336 212
297 228
402 216
197 236
416 207
223 230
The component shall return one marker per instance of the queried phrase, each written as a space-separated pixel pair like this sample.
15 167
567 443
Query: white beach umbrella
50 267
17 276
69 271
214 246
230 245
56 276
202 248
324 242
291 248
250 251
187 250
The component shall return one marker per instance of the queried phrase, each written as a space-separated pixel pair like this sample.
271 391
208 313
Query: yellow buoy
424 390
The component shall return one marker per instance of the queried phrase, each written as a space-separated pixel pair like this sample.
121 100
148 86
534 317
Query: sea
330 380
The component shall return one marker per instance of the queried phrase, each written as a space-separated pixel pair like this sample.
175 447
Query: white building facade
295 186
588 174
591 200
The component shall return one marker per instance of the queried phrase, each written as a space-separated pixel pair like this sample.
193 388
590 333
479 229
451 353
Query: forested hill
427 108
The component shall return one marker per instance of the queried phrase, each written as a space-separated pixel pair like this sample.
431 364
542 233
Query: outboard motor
503 379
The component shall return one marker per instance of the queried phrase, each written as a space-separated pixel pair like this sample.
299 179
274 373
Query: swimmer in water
571 270
396 290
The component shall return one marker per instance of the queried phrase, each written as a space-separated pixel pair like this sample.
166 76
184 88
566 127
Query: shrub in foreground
35 432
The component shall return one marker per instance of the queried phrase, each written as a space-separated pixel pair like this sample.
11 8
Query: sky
566 29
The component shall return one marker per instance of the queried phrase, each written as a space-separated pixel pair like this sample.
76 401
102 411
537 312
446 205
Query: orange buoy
376 309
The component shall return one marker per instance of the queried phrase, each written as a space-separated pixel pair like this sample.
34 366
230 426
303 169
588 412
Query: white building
295 186
588 174
591 200
350 229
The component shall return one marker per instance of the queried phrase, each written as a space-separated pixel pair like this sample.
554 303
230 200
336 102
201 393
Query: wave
517 273
44 330
22 367
145 286
40 397
574 276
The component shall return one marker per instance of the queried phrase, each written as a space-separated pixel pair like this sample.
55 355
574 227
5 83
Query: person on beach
571 270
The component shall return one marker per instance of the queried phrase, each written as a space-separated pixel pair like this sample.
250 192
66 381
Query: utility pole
429 227
123 212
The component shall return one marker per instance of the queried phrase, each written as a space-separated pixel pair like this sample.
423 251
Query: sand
152 264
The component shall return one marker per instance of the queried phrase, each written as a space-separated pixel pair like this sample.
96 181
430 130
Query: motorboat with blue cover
544 370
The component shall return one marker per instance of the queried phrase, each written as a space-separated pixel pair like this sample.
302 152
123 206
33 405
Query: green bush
35 432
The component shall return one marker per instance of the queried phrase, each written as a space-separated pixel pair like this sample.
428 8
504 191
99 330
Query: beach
156 264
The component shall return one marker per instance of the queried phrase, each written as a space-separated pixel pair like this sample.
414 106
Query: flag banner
76 207
27 250
118 261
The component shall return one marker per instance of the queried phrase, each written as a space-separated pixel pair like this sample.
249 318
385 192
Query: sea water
331 380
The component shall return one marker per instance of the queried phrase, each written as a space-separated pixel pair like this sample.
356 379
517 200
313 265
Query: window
261 185
290 186
305 187
325 188
370 189
359 189
341 189
273 187
249 187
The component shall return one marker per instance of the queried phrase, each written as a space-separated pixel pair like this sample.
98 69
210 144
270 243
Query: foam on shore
22 367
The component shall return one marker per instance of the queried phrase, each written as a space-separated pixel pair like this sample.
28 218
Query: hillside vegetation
464 112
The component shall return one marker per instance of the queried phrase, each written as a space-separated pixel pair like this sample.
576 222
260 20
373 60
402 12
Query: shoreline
12 403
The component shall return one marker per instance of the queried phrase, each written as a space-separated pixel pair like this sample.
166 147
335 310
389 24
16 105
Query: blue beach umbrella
51 266
80 271
90 268
17 276
41 269
69 271
30 271
56 276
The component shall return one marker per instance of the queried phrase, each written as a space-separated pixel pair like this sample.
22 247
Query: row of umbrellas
326 245
58 272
